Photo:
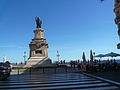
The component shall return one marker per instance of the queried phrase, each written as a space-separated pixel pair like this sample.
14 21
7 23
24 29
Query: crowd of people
96 66
103 67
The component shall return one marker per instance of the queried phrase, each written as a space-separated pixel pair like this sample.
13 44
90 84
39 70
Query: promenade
58 81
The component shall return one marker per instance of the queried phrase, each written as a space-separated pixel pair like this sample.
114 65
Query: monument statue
38 22
117 19
38 48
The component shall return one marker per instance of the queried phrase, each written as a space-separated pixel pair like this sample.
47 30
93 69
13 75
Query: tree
91 57
84 59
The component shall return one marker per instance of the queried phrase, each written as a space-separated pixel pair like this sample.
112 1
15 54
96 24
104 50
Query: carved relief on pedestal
38 48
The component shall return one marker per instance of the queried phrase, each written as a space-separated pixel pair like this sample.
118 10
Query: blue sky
71 27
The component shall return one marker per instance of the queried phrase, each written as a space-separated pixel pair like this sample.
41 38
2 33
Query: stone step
55 82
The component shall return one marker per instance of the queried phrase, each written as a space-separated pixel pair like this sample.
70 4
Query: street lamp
4 58
58 55
94 54
24 56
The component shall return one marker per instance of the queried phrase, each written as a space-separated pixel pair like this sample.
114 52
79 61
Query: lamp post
58 55
24 56
94 55
4 58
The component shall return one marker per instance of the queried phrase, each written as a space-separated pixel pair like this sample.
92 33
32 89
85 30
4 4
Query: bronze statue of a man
117 12
38 22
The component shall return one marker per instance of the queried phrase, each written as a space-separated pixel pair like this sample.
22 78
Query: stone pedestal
38 62
38 50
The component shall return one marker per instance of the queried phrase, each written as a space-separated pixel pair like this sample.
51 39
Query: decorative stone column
38 46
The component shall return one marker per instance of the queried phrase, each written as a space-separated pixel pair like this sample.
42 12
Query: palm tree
91 57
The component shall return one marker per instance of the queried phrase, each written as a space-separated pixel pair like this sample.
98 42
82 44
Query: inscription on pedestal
38 52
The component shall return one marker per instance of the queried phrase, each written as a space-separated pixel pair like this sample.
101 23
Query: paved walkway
45 70
69 81
115 76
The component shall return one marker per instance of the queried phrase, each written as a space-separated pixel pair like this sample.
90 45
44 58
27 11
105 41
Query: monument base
118 46
38 62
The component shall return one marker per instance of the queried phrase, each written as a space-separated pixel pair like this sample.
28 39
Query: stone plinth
38 62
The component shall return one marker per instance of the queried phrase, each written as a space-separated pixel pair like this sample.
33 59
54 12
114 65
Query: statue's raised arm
38 22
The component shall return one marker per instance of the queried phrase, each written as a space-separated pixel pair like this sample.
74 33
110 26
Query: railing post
43 70
74 66
55 69
30 70
66 69
18 71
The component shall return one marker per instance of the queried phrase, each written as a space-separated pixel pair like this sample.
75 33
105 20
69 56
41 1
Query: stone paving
69 81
